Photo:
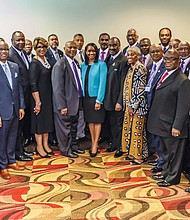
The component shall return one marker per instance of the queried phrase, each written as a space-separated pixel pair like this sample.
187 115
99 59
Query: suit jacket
96 80
117 70
50 57
157 77
170 107
125 49
23 71
187 70
65 93
11 99
78 58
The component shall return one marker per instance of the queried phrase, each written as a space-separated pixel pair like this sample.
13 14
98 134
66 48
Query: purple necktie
102 55
24 59
77 79
182 65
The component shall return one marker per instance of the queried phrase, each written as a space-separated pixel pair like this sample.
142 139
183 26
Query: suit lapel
169 80
70 71
13 75
20 59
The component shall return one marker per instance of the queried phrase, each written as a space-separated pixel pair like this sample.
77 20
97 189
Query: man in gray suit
168 118
67 94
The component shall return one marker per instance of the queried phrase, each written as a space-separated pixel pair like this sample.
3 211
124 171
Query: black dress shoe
28 154
79 151
26 143
187 190
53 143
118 153
158 177
156 170
23 158
153 163
164 183
111 149
43 156
71 155
93 154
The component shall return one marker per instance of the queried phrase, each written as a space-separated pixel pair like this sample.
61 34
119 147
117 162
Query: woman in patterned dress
134 99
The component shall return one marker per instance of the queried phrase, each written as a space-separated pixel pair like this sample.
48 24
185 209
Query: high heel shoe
45 156
50 153
93 154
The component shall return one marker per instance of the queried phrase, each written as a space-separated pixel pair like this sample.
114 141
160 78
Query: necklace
45 64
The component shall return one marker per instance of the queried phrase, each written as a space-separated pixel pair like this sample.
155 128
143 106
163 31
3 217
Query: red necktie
162 79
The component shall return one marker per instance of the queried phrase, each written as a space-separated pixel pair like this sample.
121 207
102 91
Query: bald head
70 49
132 36
184 50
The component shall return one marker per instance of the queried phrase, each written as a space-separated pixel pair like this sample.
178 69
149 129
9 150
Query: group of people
138 98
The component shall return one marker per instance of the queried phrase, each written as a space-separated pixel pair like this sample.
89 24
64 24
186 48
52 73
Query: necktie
152 75
111 59
143 60
77 79
8 74
182 65
165 49
162 79
81 56
24 60
102 55
57 55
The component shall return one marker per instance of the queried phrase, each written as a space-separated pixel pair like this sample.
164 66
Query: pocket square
16 74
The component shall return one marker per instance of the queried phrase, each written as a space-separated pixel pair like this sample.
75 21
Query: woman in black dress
42 110
93 74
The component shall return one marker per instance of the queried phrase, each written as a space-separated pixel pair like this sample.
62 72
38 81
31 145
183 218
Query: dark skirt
90 114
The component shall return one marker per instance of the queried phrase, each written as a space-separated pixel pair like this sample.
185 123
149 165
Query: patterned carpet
101 188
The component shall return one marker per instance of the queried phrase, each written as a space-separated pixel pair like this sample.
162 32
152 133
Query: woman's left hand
97 106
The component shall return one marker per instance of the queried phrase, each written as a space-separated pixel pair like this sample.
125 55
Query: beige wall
92 17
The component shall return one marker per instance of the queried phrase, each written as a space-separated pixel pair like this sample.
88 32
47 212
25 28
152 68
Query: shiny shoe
71 155
28 154
111 149
23 158
158 177
45 156
156 170
50 153
15 166
5 174
118 153
164 183
93 154
187 190
152 163
79 151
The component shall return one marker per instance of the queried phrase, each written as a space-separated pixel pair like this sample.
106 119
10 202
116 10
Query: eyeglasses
155 51
40 47
170 59
5 49
183 48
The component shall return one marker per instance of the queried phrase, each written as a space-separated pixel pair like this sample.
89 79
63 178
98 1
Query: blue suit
51 59
96 80
11 100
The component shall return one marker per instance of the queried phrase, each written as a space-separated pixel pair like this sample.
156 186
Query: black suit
117 70
170 109
50 57
125 49
24 124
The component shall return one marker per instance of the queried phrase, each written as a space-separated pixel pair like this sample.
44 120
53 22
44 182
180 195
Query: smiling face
171 60
40 50
70 49
132 57
145 46
103 41
165 36
184 50
28 46
132 37
4 51
156 52
114 46
91 53
18 40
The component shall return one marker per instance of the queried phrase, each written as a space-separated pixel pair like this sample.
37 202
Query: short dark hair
15 32
80 35
51 36
104 34
96 50
166 29
145 38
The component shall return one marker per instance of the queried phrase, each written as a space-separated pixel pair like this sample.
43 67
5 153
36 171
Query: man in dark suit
113 101
53 54
28 49
184 52
11 111
168 118
103 42
155 71
18 55
67 93
132 39
145 59
165 35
